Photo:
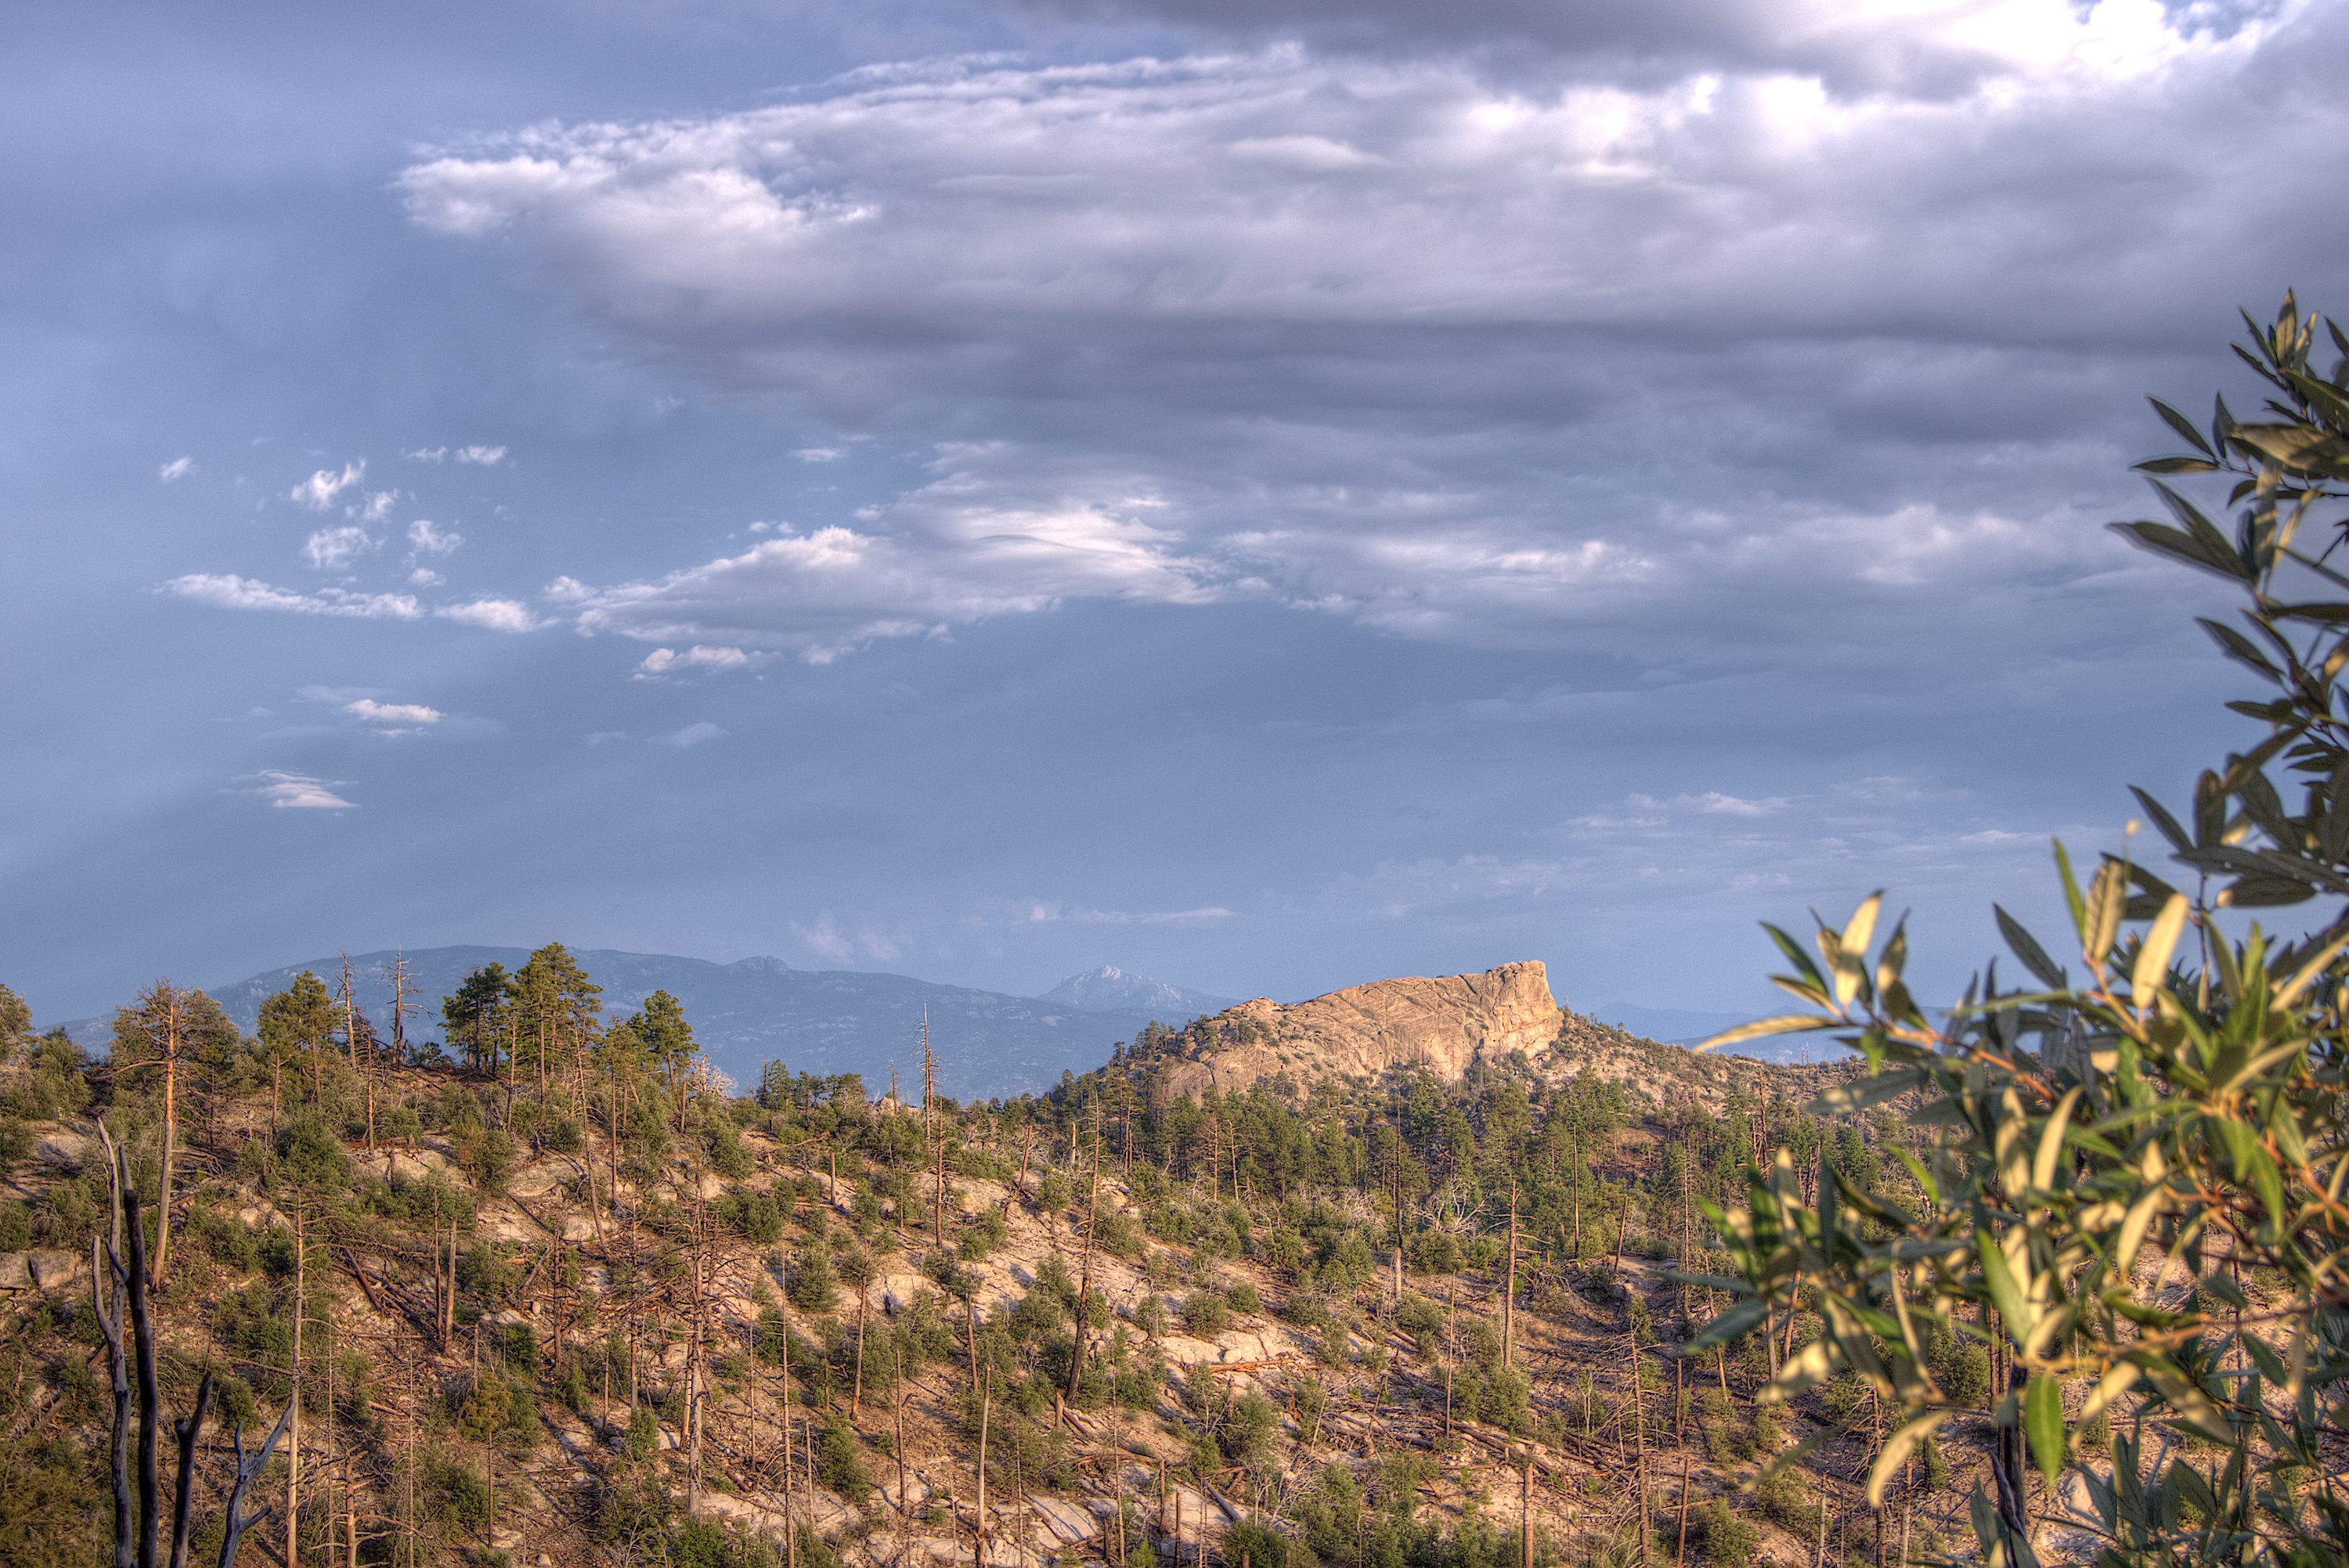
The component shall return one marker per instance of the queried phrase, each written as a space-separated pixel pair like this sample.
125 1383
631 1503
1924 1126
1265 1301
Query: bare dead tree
117 1366
186 1432
235 1521
144 1336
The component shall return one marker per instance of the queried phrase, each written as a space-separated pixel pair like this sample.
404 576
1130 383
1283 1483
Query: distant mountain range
758 1010
1110 990
1677 1026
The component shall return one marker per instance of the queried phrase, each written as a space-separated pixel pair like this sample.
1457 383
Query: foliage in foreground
2138 1199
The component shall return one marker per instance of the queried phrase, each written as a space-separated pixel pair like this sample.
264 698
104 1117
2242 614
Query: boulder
55 1271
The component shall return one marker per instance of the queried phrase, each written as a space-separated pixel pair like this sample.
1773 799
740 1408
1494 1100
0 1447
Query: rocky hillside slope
1442 1025
1447 1026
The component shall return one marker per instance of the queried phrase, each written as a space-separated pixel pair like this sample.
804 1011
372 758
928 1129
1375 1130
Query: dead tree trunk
186 1433
142 1333
235 1521
117 1366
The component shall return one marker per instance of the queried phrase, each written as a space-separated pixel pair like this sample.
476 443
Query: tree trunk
117 1368
1509 1288
1085 1280
978 1519
187 1432
294 1448
142 1333
171 1133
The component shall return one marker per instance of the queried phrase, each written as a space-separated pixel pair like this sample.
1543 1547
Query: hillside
591 1309
1449 1026
757 1010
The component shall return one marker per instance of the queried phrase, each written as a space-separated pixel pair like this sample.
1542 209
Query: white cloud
482 457
818 454
394 718
669 661
1284 185
1209 915
429 538
429 455
1712 803
950 560
377 508
177 468
693 735
318 491
227 591
296 791
827 937
333 549
425 577
491 614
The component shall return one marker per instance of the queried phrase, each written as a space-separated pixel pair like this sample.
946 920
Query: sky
1268 496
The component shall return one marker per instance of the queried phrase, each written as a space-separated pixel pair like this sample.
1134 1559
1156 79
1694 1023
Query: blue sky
1269 496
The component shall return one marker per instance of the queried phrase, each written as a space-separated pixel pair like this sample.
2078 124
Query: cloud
491 614
394 718
669 661
296 791
1803 333
1943 47
947 562
177 468
482 457
377 508
827 938
818 454
227 591
693 735
333 549
1712 803
318 491
1210 916
428 537
425 577
429 455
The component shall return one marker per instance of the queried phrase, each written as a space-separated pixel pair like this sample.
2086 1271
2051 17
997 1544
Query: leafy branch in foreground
2135 1195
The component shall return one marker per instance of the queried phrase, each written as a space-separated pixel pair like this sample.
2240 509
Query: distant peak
761 964
1110 989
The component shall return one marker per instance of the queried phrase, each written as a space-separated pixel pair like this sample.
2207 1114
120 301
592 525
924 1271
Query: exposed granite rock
54 1271
1444 1024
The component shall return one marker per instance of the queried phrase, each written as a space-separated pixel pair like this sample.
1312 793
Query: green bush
1727 1541
455 1493
840 1462
1205 1313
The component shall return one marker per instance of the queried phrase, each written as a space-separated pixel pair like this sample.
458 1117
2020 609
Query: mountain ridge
759 1009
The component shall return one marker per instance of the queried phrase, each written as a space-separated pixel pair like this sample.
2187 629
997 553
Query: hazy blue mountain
1679 1026
762 1010
1109 989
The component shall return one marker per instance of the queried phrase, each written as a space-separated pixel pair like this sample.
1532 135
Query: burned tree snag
186 1433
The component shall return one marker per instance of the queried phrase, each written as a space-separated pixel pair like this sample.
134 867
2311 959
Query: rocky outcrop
1443 1024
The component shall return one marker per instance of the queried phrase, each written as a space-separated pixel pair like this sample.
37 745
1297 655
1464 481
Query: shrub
1728 1542
813 1288
840 1461
1205 1313
455 1493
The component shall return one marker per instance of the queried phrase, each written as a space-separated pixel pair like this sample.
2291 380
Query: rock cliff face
1442 1024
